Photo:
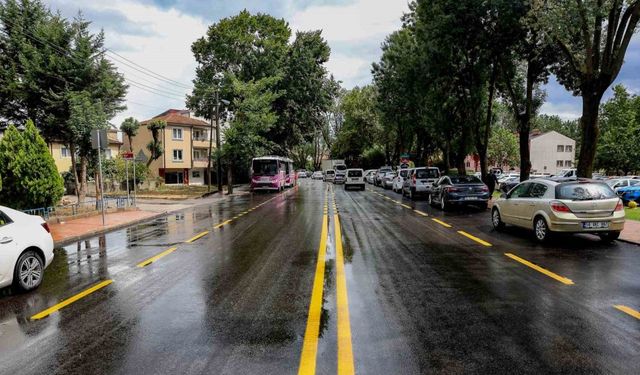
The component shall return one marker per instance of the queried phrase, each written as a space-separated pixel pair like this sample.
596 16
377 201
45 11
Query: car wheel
29 271
609 236
541 229
496 220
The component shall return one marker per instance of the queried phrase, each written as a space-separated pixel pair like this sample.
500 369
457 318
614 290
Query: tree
503 147
619 144
30 178
254 116
155 146
593 37
130 128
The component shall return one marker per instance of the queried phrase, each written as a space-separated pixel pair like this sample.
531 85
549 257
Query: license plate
353 179
265 179
470 198
595 225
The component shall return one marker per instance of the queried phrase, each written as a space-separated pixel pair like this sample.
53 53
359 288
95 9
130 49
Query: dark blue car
629 193
459 190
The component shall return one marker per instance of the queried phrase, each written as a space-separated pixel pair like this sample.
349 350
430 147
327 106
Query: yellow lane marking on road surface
310 343
345 351
406 206
628 310
154 258
420 212
197 237
71 300
552 275
441 223
221 224
474 238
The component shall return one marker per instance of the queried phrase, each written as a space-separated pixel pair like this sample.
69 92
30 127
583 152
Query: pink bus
272 173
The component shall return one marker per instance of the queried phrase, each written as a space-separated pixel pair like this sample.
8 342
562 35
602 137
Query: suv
329 175
419 181
355 178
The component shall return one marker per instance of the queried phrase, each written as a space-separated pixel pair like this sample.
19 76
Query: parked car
547 206
508 184
398 181
355 178
420 181
619 183
377 181
368 173
302 173
329 175
629 193
370 178
387 179
340 178
26 249
317 175
568 174
459 190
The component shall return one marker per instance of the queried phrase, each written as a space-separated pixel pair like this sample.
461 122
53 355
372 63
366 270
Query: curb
98 232
629 241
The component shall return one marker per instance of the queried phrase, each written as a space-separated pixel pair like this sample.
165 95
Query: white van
355 178
329 175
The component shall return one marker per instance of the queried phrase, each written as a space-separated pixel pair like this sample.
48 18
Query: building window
199 154
568 148
468 164
177 133
199 135
560 148
177 155
195 174
65 153
567 163
559 163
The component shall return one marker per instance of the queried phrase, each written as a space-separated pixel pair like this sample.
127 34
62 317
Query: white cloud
566 111
351 70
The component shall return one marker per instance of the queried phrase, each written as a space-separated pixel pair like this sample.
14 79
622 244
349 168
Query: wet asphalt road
411 296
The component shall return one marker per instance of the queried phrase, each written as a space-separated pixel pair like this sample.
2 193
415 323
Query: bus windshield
265 167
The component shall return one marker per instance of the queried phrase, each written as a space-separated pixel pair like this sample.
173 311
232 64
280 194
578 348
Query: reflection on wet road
318 280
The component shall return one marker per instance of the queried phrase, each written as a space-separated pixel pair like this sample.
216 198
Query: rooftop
177 117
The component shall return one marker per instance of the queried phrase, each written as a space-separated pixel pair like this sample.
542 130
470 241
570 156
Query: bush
30 178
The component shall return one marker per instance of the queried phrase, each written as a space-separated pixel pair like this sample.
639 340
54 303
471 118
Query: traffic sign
127 155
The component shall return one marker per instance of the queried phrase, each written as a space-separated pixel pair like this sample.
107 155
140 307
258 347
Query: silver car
546 206
420 181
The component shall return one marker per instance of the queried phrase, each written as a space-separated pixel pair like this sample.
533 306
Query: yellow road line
441 223
71 300
628 310
222 224
310 343
345 351
154 258
406 206
197 236
552 275
474 238
420 212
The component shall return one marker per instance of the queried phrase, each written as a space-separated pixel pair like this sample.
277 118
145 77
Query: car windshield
584 191
612 182
426 173
340 167
465 180
355 173
265 167
330 172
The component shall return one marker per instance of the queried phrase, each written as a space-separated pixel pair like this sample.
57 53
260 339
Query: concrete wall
545 154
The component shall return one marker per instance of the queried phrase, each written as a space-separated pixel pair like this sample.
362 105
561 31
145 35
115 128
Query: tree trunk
590 133
130 143
230 179
524 126
447 154
482 138
82 192
76 181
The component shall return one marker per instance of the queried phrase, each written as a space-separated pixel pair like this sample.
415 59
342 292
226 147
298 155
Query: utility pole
209 158
219 166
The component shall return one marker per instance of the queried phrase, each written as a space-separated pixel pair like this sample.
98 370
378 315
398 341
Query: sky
157 35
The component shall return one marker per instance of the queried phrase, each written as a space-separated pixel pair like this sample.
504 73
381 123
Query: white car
317 175
26 249
329 175
355 178
622 183
398 182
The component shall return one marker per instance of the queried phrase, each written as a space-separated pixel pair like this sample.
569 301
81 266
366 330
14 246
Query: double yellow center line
310 344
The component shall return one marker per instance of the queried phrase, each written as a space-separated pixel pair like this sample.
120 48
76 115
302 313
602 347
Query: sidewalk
631 232
77 229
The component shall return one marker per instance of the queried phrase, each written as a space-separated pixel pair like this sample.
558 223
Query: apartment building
550 152
185 142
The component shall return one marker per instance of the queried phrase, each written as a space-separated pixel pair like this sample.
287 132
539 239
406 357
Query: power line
67 53
150 72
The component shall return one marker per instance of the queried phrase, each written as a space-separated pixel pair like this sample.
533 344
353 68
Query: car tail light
450 189
619 206
559 207
46 227
485 189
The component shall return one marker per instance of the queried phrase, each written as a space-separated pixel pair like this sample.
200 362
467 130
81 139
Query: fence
79 208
